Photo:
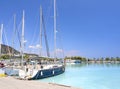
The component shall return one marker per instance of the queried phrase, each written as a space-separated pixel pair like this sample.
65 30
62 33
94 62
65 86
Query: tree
112 59
101 59
5 56
117 59
107 59
26 56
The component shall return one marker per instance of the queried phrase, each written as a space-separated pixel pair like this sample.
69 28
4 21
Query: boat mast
22 39
45 35
40 55
54 30
13 34
1 29
43 28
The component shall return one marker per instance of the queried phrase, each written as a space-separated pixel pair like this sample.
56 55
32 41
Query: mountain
5 49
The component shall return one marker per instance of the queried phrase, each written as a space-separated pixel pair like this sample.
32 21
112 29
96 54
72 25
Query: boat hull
11 71
2 72
48 73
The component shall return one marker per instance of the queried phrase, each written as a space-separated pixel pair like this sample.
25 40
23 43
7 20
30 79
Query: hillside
7 49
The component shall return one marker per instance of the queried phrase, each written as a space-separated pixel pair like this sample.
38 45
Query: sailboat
2 72
48 70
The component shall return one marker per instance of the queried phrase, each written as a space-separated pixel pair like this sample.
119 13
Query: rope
34 33
47 48
59 36
8 48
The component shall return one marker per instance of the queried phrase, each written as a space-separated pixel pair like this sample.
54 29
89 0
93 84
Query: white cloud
31 46
59 50
35 47
25 41
38 46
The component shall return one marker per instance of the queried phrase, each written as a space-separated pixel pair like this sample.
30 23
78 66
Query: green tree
101 59
5 56
117 59
26 56
107 59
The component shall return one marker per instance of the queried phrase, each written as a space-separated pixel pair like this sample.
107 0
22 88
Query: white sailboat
48 70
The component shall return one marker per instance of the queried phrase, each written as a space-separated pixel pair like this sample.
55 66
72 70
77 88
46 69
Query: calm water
89 76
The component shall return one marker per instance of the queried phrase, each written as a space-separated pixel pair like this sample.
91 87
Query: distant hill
5 49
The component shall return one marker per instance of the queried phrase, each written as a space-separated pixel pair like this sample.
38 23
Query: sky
87 28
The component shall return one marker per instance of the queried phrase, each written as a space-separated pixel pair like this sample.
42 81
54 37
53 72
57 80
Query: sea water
89 76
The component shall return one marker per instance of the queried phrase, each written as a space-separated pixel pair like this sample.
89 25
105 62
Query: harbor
76 76
59 44
32 72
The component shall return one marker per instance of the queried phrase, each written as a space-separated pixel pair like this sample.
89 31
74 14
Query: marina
59 44
48 70
31 72
86 76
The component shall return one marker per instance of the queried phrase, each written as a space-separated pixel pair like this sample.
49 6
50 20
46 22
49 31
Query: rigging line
14 34
46 20
1 31
38 38
48 12
47 48
8 48
62 46
58 19
18 34
41 23
19 26
14 28
9 23
60 37
17 31
35 30
48 17
37 41
3 39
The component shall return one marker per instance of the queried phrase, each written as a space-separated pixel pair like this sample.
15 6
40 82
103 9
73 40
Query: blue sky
88 28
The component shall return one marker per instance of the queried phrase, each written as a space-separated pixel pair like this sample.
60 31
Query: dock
13 83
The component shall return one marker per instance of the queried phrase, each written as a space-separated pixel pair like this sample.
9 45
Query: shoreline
13 83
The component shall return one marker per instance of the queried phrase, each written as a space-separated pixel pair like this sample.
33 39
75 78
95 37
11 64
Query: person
1 65
41 67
